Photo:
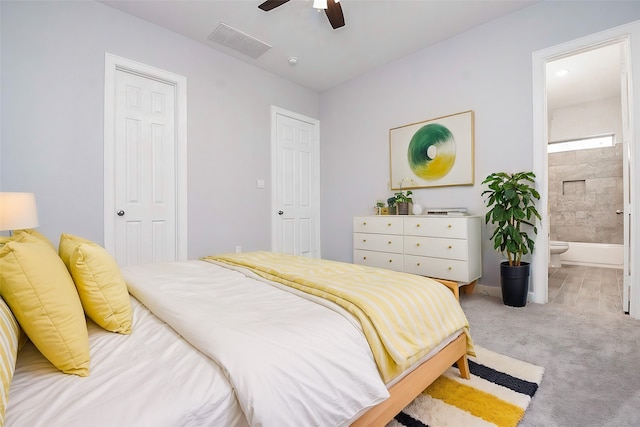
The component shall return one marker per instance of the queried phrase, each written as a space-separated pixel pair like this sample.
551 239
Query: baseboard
493 291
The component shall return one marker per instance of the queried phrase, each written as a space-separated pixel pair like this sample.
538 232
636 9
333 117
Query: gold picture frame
433 153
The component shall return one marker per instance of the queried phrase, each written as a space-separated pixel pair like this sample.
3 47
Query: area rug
498 393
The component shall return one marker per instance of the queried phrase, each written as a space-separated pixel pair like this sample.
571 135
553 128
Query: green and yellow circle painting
432 152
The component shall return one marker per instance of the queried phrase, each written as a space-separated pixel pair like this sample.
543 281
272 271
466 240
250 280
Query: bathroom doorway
586 177
620 38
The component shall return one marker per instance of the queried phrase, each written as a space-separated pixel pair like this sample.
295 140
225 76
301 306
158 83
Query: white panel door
145 170
296 177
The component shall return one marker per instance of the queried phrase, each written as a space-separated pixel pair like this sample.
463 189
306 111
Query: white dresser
442 247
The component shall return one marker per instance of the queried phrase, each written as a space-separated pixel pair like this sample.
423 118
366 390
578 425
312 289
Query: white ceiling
376 31
591 76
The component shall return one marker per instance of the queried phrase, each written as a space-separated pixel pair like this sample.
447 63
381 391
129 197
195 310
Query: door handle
120 213
280 212
618 212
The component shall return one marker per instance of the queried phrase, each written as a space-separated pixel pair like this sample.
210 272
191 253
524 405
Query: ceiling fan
331 7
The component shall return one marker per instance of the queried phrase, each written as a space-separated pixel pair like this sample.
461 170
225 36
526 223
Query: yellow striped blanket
403 316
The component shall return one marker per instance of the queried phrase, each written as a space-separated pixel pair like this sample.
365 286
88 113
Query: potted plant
391 205
401 200
511 201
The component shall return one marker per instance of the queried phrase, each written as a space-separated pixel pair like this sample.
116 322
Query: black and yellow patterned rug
498 393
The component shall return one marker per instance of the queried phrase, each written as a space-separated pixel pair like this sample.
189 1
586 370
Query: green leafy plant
391 201
511 199
400 197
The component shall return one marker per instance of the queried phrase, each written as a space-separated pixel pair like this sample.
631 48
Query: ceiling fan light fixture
331 8
320 4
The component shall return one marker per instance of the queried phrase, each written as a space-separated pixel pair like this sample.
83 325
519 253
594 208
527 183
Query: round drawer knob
417 244
364 223
364 240
449 226
389 242
389 225
418 264
364 257
418 225
450 246
390 260
450 268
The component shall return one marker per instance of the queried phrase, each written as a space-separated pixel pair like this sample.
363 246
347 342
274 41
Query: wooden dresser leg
468 289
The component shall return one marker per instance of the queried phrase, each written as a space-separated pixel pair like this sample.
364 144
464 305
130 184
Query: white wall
585 120
52 121
52 71
488 70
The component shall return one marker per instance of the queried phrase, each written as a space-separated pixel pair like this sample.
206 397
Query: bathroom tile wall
585 186
585 189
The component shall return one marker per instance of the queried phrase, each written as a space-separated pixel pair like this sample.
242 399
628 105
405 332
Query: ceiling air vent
238 41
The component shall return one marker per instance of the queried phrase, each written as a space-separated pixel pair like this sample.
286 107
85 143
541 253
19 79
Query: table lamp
18 211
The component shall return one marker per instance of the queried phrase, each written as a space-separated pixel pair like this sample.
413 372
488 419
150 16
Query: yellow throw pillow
102 289
41 295
68 244
8 353
34 233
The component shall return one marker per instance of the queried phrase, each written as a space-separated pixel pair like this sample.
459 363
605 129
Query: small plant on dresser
402 201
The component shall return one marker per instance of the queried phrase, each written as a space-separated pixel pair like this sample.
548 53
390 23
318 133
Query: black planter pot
514 281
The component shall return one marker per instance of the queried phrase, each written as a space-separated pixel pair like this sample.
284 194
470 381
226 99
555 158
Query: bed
219 342
126 370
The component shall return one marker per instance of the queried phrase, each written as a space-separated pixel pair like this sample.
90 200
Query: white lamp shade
18 211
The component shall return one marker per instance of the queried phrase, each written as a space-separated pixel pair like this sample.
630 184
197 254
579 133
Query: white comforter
291 361
149 378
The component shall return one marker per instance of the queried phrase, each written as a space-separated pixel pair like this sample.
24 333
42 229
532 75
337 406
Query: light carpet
498 393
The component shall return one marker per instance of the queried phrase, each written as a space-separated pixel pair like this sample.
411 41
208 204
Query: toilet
556 249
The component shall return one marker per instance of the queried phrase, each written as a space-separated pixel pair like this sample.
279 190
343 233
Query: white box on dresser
442 247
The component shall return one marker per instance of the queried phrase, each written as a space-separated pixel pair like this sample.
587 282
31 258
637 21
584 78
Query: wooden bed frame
414 383
408 388
455 286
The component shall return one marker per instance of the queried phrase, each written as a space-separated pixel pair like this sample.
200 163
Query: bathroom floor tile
592 288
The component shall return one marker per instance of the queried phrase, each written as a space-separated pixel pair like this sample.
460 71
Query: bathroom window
581 144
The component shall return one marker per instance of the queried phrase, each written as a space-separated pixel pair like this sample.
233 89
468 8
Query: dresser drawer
389 261
436 267
436 227
380 224
443 247
378 242
436 247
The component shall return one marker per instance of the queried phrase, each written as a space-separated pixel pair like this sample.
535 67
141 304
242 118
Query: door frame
540 258
115 63
275 111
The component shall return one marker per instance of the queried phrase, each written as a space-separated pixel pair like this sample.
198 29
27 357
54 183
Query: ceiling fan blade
272 4
334 13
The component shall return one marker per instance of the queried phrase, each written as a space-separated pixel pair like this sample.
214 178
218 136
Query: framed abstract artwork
433 153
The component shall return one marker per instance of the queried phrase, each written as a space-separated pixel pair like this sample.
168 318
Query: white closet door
145 170
296 172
